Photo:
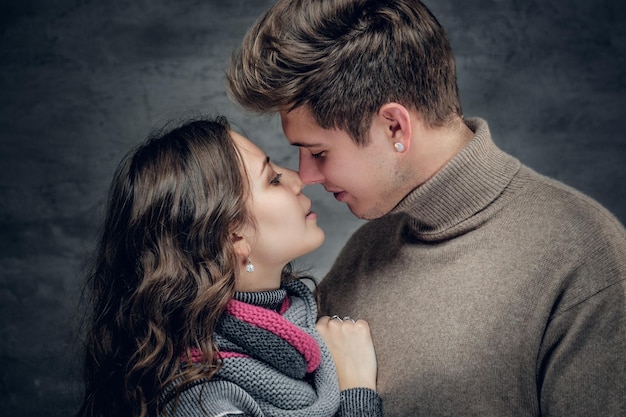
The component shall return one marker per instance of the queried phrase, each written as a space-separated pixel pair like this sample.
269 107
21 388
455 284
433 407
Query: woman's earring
249 266
398 146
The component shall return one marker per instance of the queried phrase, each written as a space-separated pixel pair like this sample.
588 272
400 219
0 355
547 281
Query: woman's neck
261 278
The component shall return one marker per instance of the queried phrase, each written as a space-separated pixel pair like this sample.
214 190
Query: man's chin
365 215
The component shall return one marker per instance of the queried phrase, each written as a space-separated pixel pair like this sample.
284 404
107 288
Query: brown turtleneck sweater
490 291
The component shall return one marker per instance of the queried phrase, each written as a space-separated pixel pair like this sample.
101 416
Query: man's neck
434 147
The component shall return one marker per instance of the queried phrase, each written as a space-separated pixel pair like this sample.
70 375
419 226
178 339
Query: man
490 290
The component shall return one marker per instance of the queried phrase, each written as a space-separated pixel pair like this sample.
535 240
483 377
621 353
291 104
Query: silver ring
336 317
348 318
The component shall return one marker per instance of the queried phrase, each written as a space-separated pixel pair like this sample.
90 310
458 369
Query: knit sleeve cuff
359 402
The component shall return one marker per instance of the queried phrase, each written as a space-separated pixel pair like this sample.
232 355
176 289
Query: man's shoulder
565 204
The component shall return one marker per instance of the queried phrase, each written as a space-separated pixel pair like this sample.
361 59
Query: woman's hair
164 268
344 59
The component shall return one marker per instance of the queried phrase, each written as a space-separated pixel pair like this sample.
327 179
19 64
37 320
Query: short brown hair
344 59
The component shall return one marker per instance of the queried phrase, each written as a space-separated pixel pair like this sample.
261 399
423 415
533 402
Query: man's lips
340 195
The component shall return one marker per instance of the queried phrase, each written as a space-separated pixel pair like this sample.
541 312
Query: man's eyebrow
306 145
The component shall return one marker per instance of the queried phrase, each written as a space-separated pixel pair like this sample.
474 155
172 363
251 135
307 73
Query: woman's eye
318 155
276 179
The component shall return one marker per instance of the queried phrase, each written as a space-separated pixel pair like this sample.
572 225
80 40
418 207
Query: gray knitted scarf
273 361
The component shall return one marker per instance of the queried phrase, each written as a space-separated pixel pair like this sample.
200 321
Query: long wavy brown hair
164 268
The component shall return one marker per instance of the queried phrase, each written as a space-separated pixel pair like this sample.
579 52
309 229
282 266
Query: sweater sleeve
360 402
582 363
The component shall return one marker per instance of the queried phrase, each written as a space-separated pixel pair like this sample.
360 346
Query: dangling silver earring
249 266
398 146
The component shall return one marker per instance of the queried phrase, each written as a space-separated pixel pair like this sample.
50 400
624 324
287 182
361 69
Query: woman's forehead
253 157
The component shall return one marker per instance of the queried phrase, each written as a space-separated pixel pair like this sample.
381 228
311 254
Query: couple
489 289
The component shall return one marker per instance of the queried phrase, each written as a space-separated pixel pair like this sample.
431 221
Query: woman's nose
295 183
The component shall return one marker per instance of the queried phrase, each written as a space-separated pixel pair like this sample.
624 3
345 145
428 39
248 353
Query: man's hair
344 59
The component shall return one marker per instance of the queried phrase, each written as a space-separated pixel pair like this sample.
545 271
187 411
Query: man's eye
318 155
276 179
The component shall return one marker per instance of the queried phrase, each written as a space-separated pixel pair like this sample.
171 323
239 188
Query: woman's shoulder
213 397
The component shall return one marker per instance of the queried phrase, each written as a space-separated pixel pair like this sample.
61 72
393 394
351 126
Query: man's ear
397 121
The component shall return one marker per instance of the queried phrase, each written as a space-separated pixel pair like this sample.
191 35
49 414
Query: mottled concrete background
82 80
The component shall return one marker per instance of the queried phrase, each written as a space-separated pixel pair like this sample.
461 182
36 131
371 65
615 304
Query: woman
194 309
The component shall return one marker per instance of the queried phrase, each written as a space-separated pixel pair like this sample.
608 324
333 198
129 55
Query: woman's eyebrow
265 163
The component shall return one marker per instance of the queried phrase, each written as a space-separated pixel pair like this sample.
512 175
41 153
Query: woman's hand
350 344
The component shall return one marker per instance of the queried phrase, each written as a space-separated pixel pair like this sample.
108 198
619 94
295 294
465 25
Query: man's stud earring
249 266
398 146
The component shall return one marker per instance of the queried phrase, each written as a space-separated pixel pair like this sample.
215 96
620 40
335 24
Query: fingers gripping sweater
274 363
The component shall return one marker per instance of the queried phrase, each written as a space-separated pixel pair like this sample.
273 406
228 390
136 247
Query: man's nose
308 170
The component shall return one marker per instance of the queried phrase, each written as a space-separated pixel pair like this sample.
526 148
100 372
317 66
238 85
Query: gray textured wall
83 80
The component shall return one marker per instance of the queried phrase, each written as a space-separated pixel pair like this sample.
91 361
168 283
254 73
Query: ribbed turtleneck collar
469 183
272 300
